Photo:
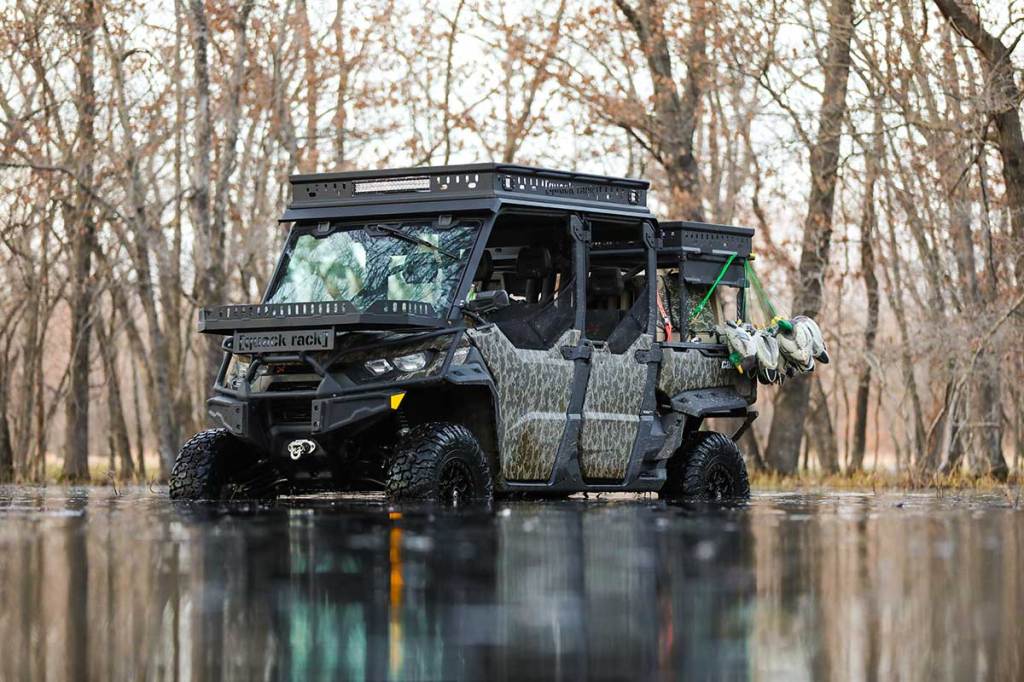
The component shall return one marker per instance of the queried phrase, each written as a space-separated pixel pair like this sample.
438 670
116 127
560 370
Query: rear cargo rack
702 249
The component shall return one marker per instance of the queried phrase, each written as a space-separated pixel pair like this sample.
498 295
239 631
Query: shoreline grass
875 481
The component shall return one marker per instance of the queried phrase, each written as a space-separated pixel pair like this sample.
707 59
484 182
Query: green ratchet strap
707 296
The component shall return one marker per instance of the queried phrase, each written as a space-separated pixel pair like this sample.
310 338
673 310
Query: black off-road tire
439 462
708 466
204 465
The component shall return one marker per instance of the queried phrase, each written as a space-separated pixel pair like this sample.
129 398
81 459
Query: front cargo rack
227 319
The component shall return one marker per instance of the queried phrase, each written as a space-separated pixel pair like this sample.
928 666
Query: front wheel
439 462
708 466
204 465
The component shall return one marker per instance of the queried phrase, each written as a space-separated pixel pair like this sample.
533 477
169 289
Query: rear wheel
439 462
708 466
204 466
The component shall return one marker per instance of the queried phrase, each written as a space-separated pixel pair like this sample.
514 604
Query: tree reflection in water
849 587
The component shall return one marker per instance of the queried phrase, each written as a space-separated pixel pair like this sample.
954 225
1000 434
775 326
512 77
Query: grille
288 386
291 410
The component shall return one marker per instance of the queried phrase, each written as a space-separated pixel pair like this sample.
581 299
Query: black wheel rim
456 482
717 483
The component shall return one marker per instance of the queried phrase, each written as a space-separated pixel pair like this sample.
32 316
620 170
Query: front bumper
254 420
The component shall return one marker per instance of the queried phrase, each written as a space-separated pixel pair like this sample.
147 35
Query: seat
604 293
535 265
605 286
537 322
484 271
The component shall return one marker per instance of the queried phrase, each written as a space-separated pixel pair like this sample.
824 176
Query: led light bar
421 184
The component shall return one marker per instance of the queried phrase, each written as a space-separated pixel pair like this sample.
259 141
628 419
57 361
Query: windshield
374 266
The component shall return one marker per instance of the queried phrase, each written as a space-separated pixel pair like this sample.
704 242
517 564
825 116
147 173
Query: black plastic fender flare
724 401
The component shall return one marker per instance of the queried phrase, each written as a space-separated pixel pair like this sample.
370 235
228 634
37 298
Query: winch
298 448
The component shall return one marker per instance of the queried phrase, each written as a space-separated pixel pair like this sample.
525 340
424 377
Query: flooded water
890 587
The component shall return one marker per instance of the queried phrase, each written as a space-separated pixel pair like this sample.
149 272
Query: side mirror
487 301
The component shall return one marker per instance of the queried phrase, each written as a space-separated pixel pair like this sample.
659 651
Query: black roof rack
322 195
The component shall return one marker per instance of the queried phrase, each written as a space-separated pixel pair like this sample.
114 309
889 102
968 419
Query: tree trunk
311 155
158 363
985 421
117 436
676 114
1006 96
83 241
894 290
140 439
868 229
209 246
6 449
791 404
755 460
820 423
1018 452
339 120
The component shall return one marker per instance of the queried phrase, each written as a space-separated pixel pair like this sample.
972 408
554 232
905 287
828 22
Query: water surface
95 585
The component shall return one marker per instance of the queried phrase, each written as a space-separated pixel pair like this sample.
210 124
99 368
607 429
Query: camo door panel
684 370
611 411
533 397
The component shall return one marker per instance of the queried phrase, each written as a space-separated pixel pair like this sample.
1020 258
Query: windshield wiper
375 230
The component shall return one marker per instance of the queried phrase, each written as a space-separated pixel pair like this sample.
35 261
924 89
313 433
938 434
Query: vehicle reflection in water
99 586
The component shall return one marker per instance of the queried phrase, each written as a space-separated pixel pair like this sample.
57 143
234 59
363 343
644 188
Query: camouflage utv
452 333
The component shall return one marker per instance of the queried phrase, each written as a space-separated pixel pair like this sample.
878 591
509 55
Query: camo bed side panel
611 411
533 397
688 369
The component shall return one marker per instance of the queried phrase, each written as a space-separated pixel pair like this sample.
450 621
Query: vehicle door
532 259
619 327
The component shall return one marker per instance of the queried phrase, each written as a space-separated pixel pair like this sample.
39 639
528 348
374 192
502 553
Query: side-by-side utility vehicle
453 333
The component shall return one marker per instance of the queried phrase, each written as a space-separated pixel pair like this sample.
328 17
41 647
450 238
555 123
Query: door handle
581 352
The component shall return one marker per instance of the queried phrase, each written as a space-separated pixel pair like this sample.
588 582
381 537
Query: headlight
378 367
413 362
460 355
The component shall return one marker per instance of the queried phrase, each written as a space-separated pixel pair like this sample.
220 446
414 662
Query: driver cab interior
617 296
530 257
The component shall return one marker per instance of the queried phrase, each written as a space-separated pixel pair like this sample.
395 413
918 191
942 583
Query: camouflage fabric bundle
668 291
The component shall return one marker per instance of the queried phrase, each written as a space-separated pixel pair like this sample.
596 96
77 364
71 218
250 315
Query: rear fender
699 404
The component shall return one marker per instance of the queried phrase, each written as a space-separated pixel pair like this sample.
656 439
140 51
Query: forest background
875 145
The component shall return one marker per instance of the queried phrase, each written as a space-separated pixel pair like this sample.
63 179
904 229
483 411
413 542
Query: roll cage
693 252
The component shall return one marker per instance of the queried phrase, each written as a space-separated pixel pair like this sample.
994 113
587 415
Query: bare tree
791 404
868 235
671 141
81 221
